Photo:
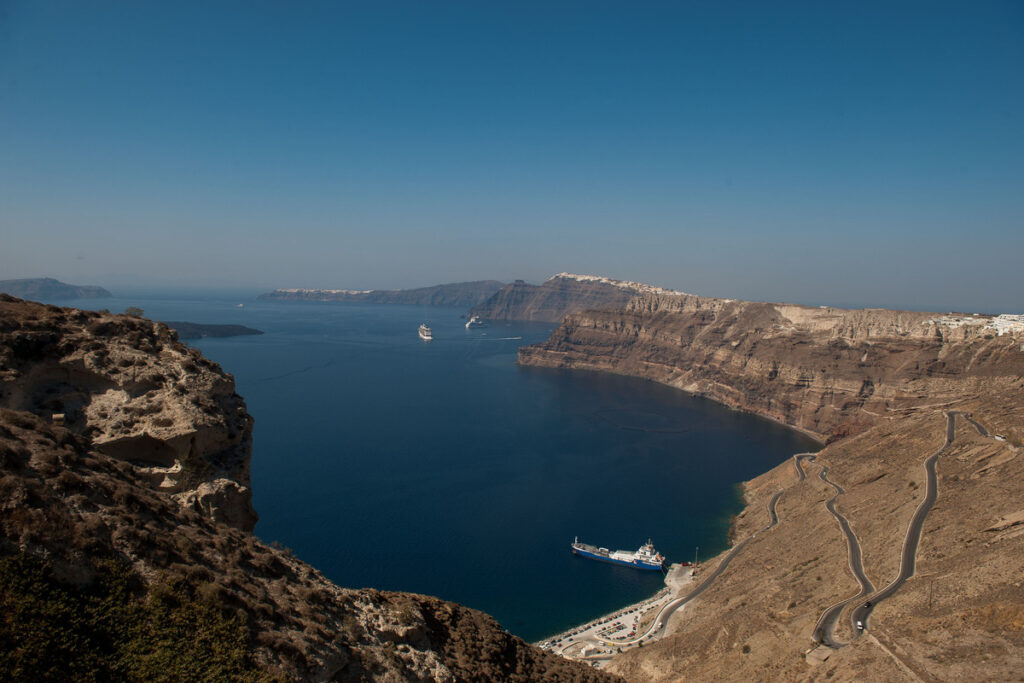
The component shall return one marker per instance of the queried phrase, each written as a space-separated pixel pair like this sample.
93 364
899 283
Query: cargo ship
644 558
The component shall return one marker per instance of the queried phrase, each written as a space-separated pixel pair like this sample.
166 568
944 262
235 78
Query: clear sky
850 153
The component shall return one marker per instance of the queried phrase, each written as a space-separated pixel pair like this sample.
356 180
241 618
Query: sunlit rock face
823 370
139 395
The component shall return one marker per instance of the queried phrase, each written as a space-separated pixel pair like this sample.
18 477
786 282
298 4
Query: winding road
823 630
908 558
981 430
661 621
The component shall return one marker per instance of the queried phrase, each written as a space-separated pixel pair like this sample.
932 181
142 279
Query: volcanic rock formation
826 371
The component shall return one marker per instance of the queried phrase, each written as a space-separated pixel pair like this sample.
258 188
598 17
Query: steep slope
455 295
960 617
124 544
876 385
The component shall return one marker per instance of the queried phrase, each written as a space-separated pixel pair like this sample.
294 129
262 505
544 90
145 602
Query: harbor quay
598 640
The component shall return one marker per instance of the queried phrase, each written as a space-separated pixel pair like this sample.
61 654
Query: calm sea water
444 468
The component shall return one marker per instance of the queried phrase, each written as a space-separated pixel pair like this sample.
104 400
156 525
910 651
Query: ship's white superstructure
646 557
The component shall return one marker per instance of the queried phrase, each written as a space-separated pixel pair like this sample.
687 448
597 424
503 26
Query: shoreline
820 439
566 643
595 641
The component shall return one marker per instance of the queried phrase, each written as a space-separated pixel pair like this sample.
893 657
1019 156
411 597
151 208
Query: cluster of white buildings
324 291
623 284
1006 323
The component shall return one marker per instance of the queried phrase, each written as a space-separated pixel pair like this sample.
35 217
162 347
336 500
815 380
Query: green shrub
110 628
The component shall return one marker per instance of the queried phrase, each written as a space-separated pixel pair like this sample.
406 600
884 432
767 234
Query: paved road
661 621
908 558
799 467
823 630
981 430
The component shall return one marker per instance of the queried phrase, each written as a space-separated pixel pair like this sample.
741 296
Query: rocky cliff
455 295
826 371
559 296
125 551
882 387
138 395
47 288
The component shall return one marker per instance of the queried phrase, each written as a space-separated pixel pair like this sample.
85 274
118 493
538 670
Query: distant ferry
475 321
425 333
644 558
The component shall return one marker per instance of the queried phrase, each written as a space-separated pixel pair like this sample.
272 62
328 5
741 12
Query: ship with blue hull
644 558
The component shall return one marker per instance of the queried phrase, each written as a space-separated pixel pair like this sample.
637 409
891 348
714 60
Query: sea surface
444 468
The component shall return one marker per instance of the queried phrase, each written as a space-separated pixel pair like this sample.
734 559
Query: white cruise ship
425 333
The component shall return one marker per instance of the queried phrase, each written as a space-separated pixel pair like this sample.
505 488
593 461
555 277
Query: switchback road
823 630
660 622
908 558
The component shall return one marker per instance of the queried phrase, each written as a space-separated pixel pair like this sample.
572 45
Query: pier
597 641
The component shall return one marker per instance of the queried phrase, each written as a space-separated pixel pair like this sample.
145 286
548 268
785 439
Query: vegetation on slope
111 628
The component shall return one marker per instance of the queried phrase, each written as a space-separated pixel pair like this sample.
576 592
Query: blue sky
851 153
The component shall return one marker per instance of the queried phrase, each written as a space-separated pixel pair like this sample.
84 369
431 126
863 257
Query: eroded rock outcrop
138 395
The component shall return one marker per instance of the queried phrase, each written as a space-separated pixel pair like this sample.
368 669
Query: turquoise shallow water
446 469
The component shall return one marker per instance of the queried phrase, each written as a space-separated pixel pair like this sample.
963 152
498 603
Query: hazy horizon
868 155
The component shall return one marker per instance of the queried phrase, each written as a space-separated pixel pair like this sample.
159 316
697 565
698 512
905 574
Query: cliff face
138 395
455 295
826 371
557 297
124 544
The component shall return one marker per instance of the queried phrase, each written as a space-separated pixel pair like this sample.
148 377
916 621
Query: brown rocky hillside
125 544
878 386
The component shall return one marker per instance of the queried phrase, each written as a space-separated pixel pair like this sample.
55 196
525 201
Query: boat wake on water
483 339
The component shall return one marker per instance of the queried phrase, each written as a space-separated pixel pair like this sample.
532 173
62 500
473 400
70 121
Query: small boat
425 333
475 321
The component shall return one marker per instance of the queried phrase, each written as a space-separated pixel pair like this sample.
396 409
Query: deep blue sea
444 468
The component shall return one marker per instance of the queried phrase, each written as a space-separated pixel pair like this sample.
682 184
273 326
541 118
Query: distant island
187 330
39 288
454 295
